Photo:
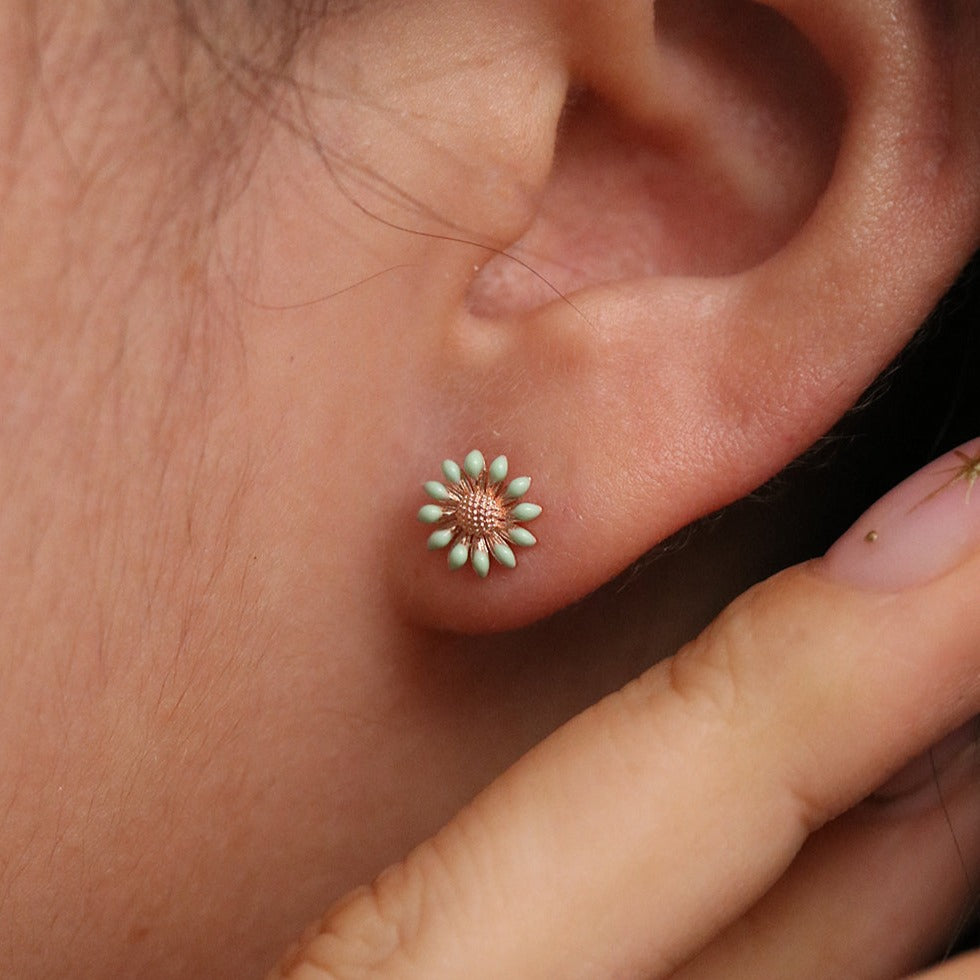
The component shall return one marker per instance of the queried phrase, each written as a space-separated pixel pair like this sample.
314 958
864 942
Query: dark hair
923 405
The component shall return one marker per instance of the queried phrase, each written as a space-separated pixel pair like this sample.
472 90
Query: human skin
250 302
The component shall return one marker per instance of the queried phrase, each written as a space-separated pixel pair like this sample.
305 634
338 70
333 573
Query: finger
962 968
878 892
638 830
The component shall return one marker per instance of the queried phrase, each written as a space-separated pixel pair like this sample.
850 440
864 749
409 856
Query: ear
650 257
748 212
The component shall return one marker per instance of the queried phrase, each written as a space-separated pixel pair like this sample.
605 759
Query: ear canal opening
712 182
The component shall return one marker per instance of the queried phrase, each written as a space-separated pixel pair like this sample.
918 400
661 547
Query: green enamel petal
481 562
437 491
474 463
451 471
504 555
430 513
458 555
517 488
525 512
498 469
522 536
439 539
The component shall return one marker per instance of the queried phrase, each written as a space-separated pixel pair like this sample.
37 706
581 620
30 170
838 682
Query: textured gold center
479 513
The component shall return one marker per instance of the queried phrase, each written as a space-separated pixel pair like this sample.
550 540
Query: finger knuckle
717 673
353 940
376 931
705 691
742 674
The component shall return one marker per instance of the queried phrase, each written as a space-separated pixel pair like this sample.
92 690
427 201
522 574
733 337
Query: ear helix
478 514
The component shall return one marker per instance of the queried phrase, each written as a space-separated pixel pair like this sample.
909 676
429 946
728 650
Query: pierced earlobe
478 513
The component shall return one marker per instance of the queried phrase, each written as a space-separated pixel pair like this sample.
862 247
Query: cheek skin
219 712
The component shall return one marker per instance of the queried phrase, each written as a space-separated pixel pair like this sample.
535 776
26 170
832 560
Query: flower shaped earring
476 515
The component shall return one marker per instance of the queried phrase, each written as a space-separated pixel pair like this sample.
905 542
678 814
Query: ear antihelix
702 158
478 514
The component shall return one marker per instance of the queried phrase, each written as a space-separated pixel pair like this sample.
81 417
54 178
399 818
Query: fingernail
922 529
923 771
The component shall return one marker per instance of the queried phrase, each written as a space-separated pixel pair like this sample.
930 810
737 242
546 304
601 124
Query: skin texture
252 293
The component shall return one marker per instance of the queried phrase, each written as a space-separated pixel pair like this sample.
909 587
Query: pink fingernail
920 530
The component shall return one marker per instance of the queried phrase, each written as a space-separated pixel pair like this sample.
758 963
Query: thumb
629 837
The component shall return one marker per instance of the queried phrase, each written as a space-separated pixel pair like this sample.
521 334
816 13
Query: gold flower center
479 513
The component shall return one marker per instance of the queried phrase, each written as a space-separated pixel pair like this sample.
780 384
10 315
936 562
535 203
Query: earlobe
668 383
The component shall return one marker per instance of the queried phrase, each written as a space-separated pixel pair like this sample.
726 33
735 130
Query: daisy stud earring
478 514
